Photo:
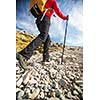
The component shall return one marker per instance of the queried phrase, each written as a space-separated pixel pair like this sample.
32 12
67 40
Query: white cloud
76 18
28 25
76 39
57 29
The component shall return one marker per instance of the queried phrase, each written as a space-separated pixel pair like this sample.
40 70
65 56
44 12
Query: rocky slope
51 81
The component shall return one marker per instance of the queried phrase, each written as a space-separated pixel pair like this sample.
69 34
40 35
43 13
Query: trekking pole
64 41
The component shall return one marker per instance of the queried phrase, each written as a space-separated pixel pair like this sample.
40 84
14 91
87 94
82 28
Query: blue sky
73 8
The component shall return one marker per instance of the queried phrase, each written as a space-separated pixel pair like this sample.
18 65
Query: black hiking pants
43 37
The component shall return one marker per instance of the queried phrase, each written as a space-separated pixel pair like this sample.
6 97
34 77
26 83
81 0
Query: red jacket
52 4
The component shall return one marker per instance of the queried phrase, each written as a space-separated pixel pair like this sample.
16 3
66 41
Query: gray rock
47 78
69 95
62 72
77 88
79 81
75 92
42 95
54 85
57 94
18 89
45 88
19 81
62 97
54 98
53 73
35 93
36 52
62 83
53 94
49 87
19 95
33 82
27 77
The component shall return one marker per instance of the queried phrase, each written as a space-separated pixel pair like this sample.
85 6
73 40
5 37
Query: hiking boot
46 60
22 61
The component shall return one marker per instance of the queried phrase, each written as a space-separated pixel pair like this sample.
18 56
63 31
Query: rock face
52 81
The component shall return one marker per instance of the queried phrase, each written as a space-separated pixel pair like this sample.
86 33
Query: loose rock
51 81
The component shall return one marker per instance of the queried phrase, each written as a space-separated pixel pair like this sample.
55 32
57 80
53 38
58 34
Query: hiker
43 27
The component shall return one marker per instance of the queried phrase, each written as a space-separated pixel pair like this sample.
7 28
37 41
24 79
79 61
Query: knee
43 36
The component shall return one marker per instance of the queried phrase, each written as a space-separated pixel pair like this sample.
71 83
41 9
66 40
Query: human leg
46 49
43 27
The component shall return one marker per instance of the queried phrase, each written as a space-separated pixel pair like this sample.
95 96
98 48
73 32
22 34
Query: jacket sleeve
58 11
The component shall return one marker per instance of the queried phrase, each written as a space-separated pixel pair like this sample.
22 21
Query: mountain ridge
23 38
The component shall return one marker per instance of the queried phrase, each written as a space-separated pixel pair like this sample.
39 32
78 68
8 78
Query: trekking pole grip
67 17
